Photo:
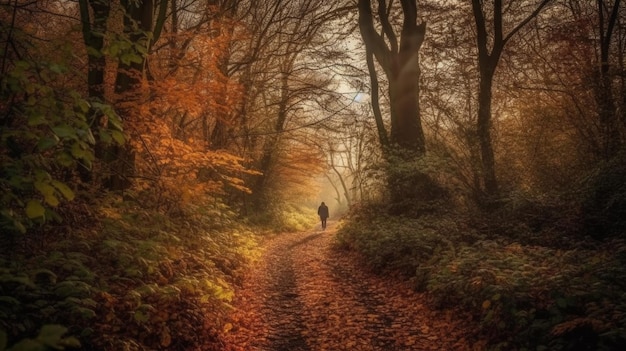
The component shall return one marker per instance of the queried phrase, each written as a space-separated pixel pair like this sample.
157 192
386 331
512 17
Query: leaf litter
306 294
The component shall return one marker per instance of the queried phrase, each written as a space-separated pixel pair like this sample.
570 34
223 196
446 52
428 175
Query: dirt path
304 294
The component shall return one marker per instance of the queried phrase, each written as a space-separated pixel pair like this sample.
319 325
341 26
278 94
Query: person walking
322 211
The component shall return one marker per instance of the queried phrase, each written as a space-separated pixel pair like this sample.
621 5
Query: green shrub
139 279
45 136
604 199
400 243
529 297
286 217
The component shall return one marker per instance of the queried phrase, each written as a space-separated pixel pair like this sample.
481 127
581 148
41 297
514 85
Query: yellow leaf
34 209
486 304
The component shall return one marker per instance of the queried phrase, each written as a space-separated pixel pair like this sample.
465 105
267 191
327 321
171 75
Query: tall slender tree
604 88
490 45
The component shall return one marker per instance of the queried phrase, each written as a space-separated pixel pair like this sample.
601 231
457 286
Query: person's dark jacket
322 211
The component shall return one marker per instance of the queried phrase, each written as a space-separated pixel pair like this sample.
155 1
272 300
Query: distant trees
281 75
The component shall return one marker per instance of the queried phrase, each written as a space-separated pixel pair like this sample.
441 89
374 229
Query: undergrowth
134 279
285 217
567 294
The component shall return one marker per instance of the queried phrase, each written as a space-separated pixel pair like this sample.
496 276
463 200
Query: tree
284 82
490 45
398 56
604 87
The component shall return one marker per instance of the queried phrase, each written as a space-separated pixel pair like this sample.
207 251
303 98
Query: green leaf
141 316
51 335
19 226
47 143
83 105
93 52
65 159
113 49
24 281
72 288
118 136
84 313
125 58
113 120
90 138
136 59
44 276
48 193
56 68
87 164
105 137
36 119
128 58
44 187
70 342
64 131
89 303
64 189
142 49
78 151
34 209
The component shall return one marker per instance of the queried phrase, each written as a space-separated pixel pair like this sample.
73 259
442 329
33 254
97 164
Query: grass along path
305 294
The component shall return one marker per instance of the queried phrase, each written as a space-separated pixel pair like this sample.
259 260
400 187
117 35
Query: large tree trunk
400 61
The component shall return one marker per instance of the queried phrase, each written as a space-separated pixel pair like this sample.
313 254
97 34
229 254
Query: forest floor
304 293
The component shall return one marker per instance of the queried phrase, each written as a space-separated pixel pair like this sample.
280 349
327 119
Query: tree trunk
378 116
129 74
401 65
271 146
487 63
137 26
483 128
604 86
93 37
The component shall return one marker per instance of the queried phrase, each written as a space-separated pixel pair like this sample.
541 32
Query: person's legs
323 223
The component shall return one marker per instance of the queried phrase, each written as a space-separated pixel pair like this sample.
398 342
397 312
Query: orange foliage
181 171
169 130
